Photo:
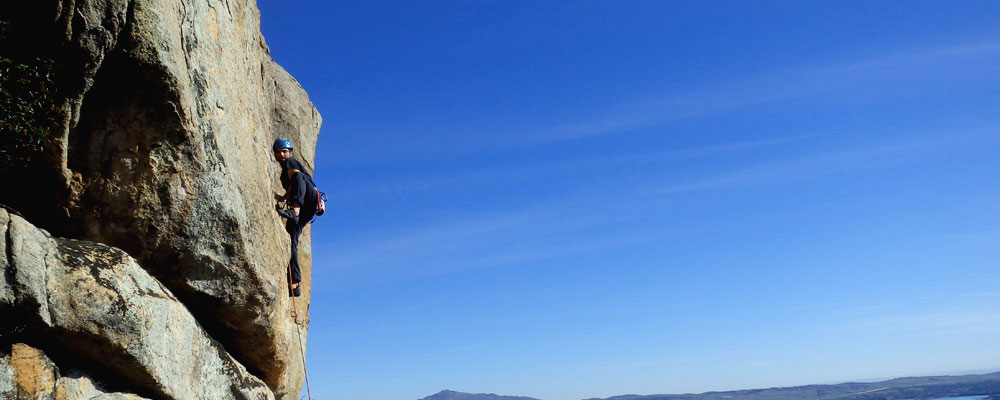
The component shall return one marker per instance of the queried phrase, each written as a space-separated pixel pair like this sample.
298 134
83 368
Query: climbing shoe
289 214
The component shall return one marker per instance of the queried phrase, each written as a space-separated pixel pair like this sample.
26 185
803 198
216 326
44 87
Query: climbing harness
295 320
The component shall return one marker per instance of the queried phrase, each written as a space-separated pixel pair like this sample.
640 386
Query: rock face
169 108
27 373
96 301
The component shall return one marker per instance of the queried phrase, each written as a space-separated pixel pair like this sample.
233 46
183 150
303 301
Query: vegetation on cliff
27 103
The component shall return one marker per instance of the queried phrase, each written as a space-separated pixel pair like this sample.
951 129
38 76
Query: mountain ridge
453 395
914 387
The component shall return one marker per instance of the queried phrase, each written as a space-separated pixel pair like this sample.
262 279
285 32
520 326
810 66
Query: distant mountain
916 388
450 395
913 388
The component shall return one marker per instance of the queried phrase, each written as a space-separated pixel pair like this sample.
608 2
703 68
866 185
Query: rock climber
301 200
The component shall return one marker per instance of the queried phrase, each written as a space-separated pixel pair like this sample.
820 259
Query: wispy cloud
568 225
947 54
431 182
851 76
931 314
933 322
882 77
543 232
816 165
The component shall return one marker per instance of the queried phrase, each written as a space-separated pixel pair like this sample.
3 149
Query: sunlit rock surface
27 373
97 303
169 108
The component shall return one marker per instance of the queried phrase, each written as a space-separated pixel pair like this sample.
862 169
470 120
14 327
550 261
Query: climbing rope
295 320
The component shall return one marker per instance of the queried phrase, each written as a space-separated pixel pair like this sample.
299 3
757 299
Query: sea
983 397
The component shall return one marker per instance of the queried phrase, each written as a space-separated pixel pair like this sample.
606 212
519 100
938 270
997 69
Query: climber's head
282 149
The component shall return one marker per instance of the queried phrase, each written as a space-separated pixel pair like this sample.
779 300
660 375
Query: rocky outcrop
27 373
97 302
168 110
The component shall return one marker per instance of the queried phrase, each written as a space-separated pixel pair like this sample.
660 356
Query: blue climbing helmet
282 143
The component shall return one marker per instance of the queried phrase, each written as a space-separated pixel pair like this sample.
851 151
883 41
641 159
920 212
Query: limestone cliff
152 189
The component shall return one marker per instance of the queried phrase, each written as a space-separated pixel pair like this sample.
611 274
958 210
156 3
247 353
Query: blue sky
582 199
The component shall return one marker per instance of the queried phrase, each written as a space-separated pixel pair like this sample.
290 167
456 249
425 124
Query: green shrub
27 105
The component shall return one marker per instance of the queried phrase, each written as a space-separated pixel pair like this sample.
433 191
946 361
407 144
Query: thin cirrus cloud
942 321
942 314
425 182
525 235
850 78
878 78
819 165
567 225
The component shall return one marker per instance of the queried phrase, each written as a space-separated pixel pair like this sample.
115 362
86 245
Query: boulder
27 373
98 309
